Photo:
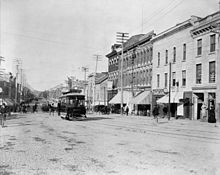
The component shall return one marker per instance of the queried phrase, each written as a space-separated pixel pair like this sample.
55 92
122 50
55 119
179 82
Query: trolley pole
121 38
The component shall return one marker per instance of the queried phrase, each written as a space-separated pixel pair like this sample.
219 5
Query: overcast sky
55 38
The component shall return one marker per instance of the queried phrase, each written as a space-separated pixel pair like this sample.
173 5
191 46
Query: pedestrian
3 114
59 107
211 118
203 112
164 111
35 107
52 108
156 112
127 110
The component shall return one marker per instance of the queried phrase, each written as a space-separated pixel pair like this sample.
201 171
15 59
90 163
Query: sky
56 38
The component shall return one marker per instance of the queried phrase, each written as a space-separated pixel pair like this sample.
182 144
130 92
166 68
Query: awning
117 98
142 98
174 98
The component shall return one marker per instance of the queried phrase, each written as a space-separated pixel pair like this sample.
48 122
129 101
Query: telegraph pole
18 62
85 69
170 64
132 71
121 38
97 59
217 102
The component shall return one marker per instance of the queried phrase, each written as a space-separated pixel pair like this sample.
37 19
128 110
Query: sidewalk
180 121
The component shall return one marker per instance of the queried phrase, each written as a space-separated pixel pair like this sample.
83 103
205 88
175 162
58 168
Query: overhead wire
161 14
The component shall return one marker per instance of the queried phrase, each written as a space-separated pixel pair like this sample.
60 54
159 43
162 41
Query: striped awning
127 95
174 98
142 98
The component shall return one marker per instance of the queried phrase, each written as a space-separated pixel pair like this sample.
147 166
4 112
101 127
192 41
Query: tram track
167 133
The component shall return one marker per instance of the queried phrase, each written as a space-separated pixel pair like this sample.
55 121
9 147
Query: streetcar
72 105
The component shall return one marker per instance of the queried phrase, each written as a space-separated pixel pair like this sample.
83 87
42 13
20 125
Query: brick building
137 70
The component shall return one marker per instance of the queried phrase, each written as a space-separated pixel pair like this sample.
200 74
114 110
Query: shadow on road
15 116
89 119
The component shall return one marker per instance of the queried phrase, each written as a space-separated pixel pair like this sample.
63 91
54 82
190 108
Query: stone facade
205 56
174 49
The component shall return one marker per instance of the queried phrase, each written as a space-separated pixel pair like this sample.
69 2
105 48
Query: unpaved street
108 144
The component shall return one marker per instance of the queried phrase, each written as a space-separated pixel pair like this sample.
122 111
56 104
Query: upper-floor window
184 52
158 80
174 54
212 43
198 73
184 78
212 72
199 47
158 61
173 78
165 80
166 57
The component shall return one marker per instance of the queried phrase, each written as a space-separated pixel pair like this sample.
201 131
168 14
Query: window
198 73
158 80
212 43
165 78
158 59
212 72
184 52
166 57
184 78
173 78
174 54
199 47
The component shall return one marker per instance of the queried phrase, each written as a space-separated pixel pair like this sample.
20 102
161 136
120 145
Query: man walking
3 114
156 112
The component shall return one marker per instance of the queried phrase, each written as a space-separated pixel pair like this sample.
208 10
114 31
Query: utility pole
132 71
169 113
121 38
85 69
18 62
97 59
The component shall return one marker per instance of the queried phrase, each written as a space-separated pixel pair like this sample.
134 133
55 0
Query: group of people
26 107
211 117
53 108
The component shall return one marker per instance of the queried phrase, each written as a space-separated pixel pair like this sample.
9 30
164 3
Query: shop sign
158 92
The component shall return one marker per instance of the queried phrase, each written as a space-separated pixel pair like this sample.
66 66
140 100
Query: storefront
142 102
206 96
